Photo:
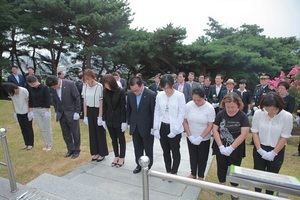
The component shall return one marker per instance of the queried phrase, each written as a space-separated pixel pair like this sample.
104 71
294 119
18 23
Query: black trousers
26 129
71 133
269 166
141 144
222 165
170 145
198 157
98 143
117 140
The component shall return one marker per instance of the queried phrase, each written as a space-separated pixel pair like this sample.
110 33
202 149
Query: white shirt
92 95
176 110
218 88
198 118
271 129
20 101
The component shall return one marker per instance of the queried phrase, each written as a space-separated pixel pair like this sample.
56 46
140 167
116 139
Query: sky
278 18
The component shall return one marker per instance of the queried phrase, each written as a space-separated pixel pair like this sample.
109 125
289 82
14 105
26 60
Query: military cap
264 76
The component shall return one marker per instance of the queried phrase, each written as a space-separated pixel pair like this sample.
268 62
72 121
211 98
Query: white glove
191 139
76 116
171 135
128 127
85 121
15 116
30 116
255 108
229 150
298 120
198 140
269 155
223 150
262 152
215 105
104 124
99 121
123 127
155 132
47 114
249 112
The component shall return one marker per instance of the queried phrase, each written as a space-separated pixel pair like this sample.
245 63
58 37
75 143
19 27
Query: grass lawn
27 165
290 167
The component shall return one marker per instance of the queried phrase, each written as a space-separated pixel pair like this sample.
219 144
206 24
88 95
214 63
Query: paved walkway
101 181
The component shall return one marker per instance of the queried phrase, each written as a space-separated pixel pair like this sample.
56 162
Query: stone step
66 189
23 192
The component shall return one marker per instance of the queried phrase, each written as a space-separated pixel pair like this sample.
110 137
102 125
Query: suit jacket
124 84
246 98
141 117
224 92
187 91
212 91
70 100
114 108
194 85
11 78
155 88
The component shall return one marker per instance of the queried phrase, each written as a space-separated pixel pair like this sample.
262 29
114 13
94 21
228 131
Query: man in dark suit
183 87
16 78
155 86
215 91
120 81
140 113
66 100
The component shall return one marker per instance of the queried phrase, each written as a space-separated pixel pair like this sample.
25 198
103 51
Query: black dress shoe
75 155
137 169
68 154
100 158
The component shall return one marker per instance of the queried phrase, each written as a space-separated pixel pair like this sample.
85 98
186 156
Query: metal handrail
11 176
144 162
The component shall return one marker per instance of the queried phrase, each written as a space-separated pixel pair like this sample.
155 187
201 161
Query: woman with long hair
114 117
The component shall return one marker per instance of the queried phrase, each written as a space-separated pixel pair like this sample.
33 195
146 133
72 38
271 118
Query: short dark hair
220 76
166 79
182 73
31 79
9 88
284 84
51 80
192 73
31 68
208 77
14 66
199 91
272 99
135 81
59 73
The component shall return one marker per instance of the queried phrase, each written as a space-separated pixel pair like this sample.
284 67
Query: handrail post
144 162
12 180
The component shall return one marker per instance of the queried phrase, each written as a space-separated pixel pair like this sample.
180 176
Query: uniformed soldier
260 90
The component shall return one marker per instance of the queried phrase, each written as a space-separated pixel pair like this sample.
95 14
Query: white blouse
176 111
199 117
271 129
20 101
92 95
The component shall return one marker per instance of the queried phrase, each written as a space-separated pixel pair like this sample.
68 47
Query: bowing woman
168 122
271 127
92 93
230 130
114 117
